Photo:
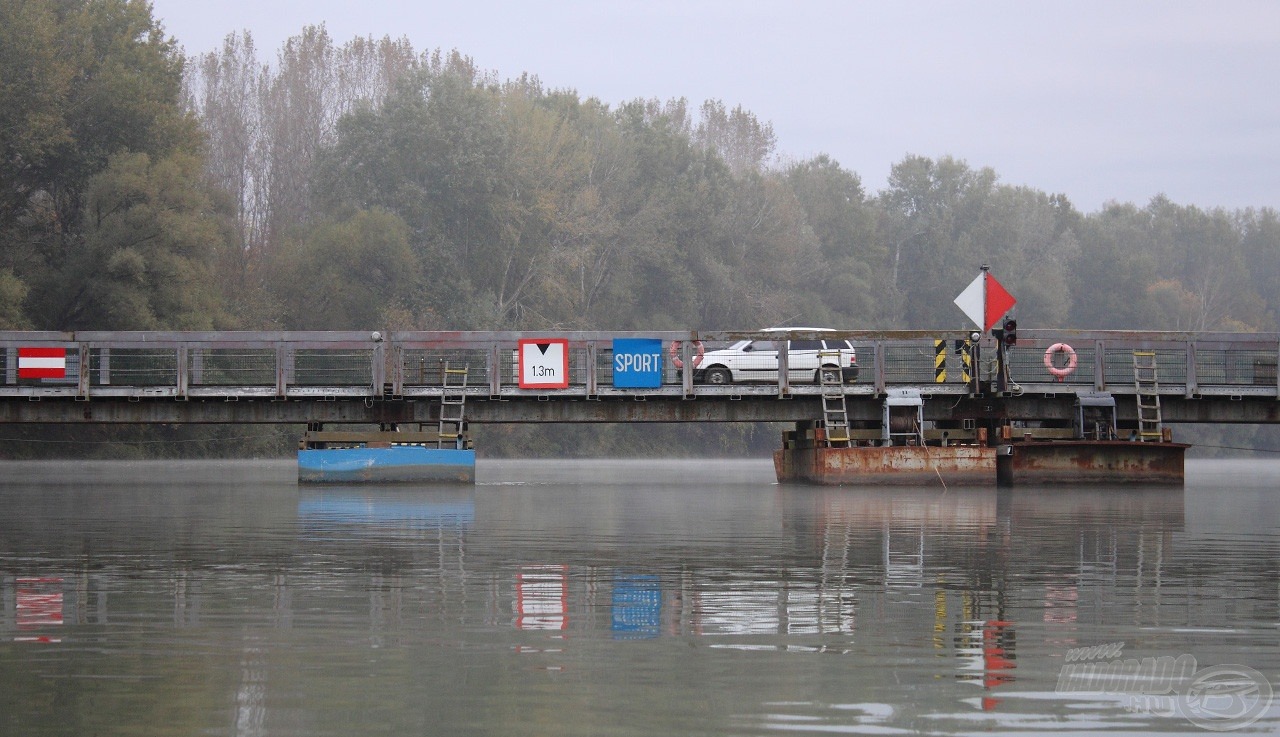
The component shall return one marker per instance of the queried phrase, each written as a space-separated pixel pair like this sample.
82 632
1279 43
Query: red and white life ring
1061 372
675 354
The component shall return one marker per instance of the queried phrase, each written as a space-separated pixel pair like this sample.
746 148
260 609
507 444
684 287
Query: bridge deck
362 377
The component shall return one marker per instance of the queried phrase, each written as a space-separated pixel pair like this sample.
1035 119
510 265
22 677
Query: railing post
284 368
878 367
591 368
378 371
182 371
1099 365
197 366
82 381
495 370
686 373
784 367
1193 382
397 369
104 365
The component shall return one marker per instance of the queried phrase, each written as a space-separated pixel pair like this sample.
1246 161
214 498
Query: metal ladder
453 402
1147 390
835 415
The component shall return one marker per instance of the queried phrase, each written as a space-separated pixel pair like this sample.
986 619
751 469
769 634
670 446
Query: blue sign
637 363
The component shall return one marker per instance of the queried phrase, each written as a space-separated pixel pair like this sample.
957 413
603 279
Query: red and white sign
544 363
42 363
985 301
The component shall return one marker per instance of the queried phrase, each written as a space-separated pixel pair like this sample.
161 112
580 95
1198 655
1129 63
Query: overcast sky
1108 100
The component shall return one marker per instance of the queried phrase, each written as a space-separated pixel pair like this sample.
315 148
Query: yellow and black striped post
939 361
964 349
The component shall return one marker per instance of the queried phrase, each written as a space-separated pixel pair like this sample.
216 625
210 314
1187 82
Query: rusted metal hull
960 465
1031 463
1091 462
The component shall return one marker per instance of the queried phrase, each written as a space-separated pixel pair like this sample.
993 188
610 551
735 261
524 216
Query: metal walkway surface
297 377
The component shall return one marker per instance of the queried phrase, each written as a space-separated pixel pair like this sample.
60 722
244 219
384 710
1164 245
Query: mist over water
627 598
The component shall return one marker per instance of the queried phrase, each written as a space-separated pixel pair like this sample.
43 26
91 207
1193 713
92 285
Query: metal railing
406 364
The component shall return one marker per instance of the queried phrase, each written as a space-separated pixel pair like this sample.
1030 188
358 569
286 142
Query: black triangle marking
543 347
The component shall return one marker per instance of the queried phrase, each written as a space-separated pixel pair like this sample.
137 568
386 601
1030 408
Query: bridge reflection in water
832 566
610 584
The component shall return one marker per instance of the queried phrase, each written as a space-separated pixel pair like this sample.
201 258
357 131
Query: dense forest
368 184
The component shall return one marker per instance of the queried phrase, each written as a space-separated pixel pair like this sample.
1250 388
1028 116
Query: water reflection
38 608
636 605
361 510
738 607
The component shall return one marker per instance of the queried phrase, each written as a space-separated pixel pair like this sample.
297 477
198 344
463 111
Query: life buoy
1060 372
675 354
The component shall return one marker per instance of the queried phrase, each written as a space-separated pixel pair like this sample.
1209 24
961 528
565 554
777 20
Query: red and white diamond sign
42 363
985 301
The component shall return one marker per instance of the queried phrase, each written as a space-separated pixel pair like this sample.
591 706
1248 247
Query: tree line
368 184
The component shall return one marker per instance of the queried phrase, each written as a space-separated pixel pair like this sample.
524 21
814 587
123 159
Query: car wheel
828 373
719 376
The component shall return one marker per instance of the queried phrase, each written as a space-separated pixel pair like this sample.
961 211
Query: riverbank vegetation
367 184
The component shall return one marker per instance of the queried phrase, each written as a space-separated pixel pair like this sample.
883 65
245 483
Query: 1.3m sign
544 363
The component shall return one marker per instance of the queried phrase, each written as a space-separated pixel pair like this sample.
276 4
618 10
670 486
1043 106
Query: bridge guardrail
361 364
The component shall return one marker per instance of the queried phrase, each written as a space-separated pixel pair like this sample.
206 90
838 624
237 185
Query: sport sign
544 363
637 363
985 301
42 363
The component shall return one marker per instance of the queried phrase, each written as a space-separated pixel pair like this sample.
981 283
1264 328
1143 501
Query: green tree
853 263
587 238
36 74
742 141
930 208
92 80
1021 234
1165 266
150 240
1260 244
1115 266
671 195
764 266
436 154
12 294
349 274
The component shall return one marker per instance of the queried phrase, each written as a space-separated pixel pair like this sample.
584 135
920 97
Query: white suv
757 360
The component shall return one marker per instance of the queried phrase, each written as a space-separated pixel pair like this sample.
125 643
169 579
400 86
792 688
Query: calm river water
630 598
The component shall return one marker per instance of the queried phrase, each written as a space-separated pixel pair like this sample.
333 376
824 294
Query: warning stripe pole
939 361
964 349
